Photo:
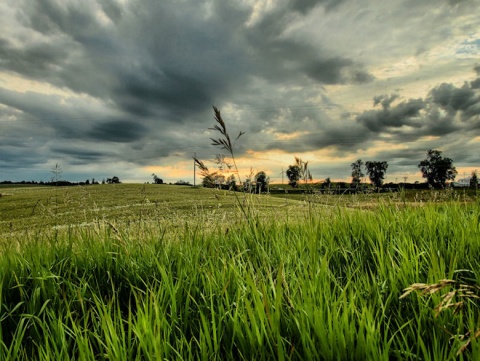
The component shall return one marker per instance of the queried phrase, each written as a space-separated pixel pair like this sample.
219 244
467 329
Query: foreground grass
325 286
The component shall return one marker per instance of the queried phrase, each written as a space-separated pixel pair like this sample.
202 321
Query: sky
126 87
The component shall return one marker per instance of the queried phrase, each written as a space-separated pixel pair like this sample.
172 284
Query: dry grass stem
461 290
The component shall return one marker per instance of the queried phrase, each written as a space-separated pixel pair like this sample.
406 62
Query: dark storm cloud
447 109
385 100
81 154
155 58
343 139
34 61
281 58
112 9
475 84
319 133
138 78
52 116
453 99
122 131
304 6
477 69
25 154
404 113
435 123
141 93
337 71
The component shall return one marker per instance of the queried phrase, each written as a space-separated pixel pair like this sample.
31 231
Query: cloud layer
120 86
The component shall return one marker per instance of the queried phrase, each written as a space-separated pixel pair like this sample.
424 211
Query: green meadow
163 272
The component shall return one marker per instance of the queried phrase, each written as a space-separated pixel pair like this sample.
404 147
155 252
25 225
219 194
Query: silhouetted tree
304 171
157 180
474 180
293 174
376 172
113 180
261 182
357 173
327 182
208 181
437 169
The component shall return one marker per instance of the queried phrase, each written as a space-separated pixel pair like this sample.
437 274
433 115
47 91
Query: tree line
435 168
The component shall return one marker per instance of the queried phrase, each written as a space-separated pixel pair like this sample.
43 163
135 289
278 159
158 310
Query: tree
157 180
208 181
261 182
219 180
304 171
327 182
113 180
376 172
474 180
293 174
437 169
357 173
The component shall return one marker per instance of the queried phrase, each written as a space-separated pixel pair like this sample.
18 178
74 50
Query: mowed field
29 209
152 272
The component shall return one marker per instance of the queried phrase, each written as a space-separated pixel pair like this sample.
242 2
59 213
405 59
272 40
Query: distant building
464 182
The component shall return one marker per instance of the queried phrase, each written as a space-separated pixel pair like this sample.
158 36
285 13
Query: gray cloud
406 113
385 100
454 99
337 70
118 131
135 81
304 6
84 155
190 61
475 84
112 9
446 110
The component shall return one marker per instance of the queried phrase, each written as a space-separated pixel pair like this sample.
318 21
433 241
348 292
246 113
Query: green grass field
148 272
